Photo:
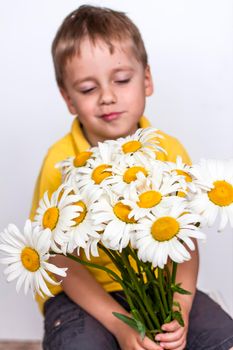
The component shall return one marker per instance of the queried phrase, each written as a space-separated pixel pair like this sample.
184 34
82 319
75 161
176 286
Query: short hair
95 23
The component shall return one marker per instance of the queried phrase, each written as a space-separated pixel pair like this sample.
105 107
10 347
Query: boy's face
106 90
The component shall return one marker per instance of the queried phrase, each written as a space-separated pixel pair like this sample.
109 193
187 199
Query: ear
149 88
68 100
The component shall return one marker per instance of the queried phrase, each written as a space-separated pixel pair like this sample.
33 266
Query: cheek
87 115
135 98
85 106
136 91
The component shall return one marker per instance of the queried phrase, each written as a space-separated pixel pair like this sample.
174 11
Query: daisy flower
158 189
99 168
125 176
26 254
70 166
185 171
164 233
84 233
142 142
214 179
115 215
58 214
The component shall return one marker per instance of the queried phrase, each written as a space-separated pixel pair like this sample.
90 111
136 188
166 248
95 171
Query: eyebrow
114 71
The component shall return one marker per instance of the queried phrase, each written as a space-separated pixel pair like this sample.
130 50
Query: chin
121 132
115 135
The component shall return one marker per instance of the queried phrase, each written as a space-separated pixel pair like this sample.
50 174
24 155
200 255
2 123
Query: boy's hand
175 336
129 339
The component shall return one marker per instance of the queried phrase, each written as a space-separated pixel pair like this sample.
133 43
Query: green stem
131 272
127 290
139 290
142 309
152 278
161 287
168 284
135 257
160 303
174 269
112 256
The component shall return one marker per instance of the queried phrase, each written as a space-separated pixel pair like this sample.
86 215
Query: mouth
110 116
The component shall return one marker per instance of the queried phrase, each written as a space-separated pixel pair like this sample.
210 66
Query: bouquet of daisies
144 214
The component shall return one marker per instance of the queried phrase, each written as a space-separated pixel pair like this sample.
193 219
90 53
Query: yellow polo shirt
50 178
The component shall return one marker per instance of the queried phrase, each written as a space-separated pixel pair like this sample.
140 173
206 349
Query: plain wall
190 47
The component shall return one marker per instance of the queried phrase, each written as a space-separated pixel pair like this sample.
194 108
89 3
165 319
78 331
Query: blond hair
95 23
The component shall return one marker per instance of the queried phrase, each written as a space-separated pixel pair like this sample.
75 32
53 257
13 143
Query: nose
107 96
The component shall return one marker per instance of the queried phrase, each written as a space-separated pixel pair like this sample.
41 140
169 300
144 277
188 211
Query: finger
150 344
168 337
180 344
138 347
170 346
171 326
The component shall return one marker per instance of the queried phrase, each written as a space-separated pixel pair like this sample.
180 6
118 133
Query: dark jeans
69 327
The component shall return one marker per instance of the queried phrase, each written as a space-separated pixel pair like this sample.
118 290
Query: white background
190 47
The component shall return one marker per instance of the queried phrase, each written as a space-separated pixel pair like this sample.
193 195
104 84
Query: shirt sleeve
178 149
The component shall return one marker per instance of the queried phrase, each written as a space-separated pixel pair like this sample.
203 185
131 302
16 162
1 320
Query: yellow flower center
81 159
165 228
221 194
50 218
82 215
149 199
30 259
100 173
186 175
131 174
122 212
131 146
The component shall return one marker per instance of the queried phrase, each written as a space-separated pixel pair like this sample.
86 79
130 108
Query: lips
110 116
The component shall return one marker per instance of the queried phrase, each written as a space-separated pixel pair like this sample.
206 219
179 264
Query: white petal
43 286
224 219
21 280
57 270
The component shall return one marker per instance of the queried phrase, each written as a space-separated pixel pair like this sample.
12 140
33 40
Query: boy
103 75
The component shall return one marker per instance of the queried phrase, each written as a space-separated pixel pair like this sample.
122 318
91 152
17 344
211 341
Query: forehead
112 46
100 55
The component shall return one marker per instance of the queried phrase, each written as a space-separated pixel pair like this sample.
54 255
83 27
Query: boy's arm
85 291
187 275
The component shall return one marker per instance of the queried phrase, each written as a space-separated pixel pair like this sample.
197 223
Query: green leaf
176 315
175 303
154 331
133 323
168 318
178 289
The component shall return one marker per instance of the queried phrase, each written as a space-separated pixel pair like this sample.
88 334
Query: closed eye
87 91
123 81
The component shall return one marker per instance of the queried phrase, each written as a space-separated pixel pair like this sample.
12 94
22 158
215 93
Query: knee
80 342
75 336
